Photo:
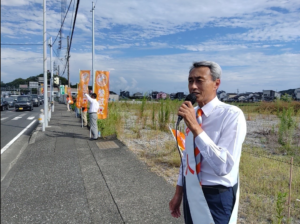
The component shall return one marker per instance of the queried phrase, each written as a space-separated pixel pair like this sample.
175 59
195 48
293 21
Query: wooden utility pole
68 49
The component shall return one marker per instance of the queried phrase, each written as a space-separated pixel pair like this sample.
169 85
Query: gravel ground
152 141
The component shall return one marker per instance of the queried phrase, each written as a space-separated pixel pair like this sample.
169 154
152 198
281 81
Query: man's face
202 85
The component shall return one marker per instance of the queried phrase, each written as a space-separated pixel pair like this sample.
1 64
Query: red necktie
196 150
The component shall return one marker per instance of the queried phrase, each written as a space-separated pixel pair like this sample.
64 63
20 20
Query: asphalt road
13 122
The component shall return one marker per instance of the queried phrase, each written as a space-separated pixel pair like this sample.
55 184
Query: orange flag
180 138
83 87
66 90
102 90
70 95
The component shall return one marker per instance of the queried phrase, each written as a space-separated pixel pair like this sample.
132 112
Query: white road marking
16 118
15 138
30 118
3 118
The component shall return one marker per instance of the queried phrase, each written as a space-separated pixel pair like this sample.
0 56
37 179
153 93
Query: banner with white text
83 87
102 90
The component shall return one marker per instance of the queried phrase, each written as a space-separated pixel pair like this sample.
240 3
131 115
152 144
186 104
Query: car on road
24 102
4 104
11 101
42 98
36 100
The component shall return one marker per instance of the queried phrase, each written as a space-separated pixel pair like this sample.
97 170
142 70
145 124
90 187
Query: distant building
138 95
297 94
179 95
154 95
222 96
230 95
161 95
124 94
268 94
277 95
172 95
113 97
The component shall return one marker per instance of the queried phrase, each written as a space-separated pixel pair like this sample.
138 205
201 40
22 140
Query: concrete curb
34 134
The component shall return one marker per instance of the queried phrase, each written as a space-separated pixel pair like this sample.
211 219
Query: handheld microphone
192 98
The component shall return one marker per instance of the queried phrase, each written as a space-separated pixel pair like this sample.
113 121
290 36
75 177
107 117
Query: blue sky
150 45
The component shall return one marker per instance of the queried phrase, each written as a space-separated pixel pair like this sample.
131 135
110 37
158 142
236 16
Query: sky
151 45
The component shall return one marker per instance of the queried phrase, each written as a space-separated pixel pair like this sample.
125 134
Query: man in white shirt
219 139
94 106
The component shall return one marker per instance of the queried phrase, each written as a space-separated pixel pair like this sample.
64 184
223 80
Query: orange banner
78 102
102 90
180 138
66 89
70 95
83 87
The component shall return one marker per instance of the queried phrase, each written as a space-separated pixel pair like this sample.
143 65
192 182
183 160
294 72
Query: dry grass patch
261 178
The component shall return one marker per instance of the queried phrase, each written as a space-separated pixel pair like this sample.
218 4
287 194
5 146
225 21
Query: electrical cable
62 22
76 11
77 6
72 18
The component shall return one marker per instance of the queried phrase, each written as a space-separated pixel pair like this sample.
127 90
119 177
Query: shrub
109 125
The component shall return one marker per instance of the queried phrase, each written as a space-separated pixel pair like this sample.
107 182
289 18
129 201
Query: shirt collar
208 108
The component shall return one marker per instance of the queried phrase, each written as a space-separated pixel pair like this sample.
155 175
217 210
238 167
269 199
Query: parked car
42 98
36 100
4 104
11 101
24 102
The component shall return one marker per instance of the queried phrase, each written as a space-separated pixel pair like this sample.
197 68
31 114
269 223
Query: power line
62 23
77 6
68 53
72 18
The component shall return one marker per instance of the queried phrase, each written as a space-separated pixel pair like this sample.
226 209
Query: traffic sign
62 89
33 85
23 86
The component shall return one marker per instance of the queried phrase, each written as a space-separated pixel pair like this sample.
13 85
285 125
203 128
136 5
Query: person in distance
94 106
208 180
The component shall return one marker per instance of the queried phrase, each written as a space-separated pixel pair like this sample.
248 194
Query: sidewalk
63 177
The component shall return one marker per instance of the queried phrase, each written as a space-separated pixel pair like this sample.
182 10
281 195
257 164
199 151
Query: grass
261 181
142 127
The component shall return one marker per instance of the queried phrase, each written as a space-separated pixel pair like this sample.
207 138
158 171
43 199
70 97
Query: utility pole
51 80
45 124
68 58
58 91
93 48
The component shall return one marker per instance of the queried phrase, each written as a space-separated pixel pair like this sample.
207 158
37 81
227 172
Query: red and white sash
199 209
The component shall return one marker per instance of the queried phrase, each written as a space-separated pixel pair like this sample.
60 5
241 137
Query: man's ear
217 83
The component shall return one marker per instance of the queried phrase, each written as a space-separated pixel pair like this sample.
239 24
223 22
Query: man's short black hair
94 95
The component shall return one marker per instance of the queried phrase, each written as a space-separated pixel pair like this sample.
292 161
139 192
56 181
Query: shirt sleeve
222 155
89 98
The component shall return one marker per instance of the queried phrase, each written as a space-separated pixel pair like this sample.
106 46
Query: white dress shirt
220 143
94 105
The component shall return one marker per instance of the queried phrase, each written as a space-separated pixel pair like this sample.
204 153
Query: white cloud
246 71
14 2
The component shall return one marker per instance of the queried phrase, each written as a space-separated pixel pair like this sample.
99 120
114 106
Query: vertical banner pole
290 190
